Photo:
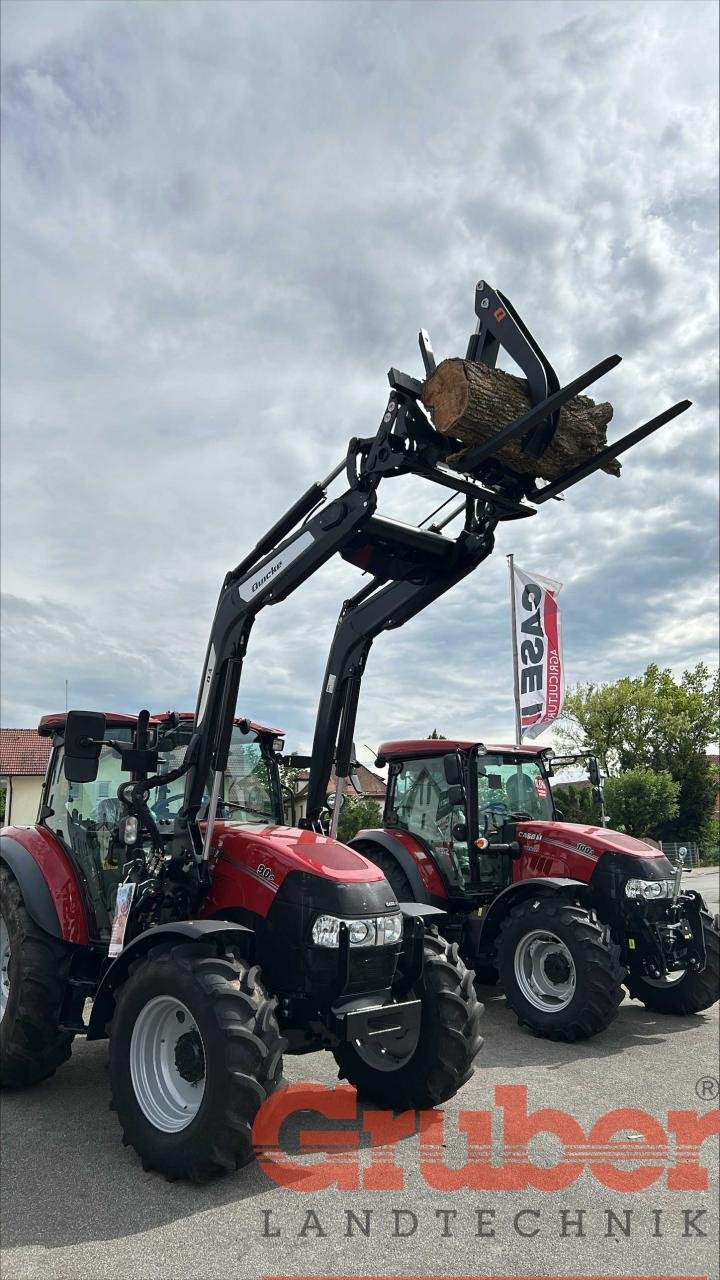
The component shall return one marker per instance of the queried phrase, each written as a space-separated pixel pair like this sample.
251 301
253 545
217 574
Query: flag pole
516 672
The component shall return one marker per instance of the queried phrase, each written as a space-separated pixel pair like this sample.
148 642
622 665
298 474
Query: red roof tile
373 786
23 751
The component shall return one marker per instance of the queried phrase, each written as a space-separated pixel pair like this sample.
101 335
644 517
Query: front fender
47 881
404 859
519 891
116 972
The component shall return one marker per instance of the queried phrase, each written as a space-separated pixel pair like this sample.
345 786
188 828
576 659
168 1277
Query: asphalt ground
76 1203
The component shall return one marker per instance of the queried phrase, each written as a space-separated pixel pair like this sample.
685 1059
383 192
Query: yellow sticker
631 943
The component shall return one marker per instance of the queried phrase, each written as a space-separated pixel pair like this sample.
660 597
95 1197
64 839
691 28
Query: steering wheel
166 801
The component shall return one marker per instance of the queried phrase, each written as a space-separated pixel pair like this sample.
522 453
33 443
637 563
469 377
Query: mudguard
518 892
33 885
404 859
32 852
180 931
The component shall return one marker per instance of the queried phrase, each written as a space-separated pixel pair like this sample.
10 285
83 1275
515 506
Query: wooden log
472 402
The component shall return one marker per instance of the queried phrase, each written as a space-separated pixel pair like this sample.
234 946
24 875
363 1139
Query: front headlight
377 931
649 889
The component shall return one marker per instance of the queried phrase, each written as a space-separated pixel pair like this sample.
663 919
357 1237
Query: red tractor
286 942
563 915
210 937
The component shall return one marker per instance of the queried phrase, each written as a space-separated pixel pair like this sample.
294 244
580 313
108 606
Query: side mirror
597 795
84 732
453 772
594 771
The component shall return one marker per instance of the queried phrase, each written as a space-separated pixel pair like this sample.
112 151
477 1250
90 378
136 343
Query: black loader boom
410 566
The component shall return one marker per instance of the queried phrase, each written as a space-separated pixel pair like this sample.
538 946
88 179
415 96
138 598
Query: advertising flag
537 651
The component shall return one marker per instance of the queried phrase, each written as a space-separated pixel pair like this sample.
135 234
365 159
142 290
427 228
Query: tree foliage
577 804
440 737
357 812
641 802
652 723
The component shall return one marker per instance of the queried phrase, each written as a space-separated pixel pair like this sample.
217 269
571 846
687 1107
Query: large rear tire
392 872
689 993
448 1044
33 977
561 974
195 1050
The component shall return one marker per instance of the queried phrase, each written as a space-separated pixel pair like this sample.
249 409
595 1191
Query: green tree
652 723
440 737
576 804
357 812
641 802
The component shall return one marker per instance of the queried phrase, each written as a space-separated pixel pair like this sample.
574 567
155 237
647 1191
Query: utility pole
516 673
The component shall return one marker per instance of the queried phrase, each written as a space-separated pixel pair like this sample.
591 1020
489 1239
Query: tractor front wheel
561 974
448 1044
33 978
687 991
195 1049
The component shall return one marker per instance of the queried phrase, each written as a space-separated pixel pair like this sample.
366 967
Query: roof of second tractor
436 746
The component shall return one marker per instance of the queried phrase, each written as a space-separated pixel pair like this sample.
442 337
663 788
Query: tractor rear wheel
685 992
448 1044
195 1050
392 872
561 974
33 977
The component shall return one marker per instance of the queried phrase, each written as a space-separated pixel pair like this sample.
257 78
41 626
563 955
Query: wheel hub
545 971
167 1064
4 967
189 1057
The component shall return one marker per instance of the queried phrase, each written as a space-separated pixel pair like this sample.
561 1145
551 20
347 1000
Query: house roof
23 752
372 784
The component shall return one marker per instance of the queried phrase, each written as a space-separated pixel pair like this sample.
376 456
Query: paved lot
75 1203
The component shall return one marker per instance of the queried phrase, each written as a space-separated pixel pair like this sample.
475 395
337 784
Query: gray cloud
222 224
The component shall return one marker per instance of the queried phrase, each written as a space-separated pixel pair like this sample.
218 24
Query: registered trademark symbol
707 1088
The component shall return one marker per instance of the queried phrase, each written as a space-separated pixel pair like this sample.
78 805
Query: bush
640 802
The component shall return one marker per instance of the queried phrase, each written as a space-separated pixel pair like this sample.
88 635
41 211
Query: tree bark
472 402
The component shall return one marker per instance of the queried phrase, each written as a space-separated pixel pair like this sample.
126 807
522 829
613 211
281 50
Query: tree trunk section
472 403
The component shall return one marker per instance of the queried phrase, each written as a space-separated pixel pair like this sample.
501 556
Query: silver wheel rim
4 967
167 1064
545 971
670 979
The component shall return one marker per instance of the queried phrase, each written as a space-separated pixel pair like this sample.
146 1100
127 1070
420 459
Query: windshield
507 785
247 793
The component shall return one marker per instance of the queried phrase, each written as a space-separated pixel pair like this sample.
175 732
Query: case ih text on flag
537 651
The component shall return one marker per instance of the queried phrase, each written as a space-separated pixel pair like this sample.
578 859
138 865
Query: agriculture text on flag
537 651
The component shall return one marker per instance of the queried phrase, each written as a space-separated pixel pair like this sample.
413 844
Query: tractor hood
585 839
279 850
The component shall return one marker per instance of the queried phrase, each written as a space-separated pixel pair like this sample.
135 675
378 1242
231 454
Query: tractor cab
463 800
86 816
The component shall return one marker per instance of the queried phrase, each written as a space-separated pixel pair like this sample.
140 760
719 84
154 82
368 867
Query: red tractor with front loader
161 883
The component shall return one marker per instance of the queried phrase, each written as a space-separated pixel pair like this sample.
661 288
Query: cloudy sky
224 221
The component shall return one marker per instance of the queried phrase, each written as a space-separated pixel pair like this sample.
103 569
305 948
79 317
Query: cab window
247 793
85 816
511 786
419 800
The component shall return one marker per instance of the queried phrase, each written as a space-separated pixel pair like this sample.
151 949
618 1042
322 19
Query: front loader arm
410 567
245 592
378 607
